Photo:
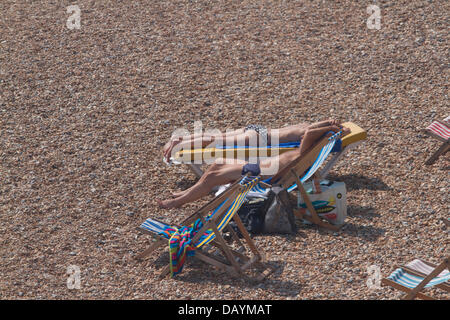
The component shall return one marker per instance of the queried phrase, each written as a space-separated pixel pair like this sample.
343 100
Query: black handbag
252 213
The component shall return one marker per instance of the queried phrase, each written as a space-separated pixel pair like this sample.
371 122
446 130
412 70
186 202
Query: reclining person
224 171
242 137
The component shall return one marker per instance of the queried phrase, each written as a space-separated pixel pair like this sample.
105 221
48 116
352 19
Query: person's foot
169 147
345 131
326 123
177 194
166 204
335 123
316 133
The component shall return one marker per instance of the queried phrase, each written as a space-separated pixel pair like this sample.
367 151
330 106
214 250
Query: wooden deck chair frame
233 261
417 292
292 177
443 149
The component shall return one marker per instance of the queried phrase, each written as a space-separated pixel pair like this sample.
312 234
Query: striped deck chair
418 275
190 157
202 232
439 130
305 167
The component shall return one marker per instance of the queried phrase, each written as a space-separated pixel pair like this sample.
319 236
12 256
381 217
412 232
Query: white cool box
330 204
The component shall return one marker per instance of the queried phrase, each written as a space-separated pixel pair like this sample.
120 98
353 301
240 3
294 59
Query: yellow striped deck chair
194 158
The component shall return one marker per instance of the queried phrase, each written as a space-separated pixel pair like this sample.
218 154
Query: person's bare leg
236 137
201 135
311 136
217 174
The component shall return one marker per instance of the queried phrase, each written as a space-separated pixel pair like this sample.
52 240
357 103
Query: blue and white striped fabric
259 191
278 146
248 183
408 280
153 226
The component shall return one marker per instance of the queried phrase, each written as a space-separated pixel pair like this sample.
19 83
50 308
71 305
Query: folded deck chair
439 130
418 275
189 157
202 232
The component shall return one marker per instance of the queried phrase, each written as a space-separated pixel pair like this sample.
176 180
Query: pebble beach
85 112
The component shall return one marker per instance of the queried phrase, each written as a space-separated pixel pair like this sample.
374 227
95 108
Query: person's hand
339 128
173 143
335 123
345 131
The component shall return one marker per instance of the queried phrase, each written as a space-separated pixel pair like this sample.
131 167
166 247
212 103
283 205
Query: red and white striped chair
441 131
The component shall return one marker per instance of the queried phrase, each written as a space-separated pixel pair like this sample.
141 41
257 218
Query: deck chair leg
426 280
165 271
246 236
148 251
314 218
395 285
442 150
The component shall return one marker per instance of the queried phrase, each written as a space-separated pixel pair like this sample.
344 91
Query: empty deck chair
350 141
439 130
205 228
418 275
